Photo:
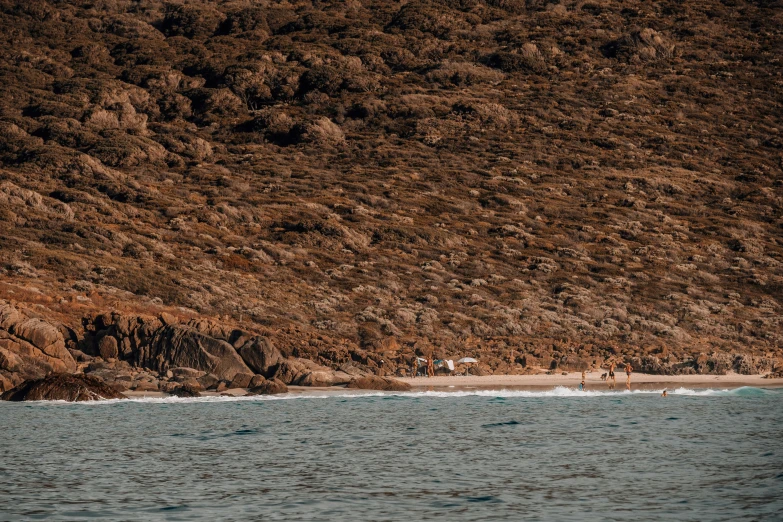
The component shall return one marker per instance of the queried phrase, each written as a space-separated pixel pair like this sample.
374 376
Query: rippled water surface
502 455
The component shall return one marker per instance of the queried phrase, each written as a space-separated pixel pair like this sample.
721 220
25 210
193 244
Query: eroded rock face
185 390
62 387
288 371
260 355
30 348
269 387
149 342
240 380
186 347
378 383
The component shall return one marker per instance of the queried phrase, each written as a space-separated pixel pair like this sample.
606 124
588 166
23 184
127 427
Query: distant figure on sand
611 378
628 370
415 366
583 376
582 386
430 368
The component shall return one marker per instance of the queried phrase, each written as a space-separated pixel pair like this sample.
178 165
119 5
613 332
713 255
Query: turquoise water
500 455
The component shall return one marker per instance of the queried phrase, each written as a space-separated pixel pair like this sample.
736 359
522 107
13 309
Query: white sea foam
557 392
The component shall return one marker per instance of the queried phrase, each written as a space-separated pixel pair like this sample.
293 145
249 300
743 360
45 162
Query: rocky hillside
524 181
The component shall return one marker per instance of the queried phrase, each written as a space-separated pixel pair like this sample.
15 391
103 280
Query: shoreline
639 381
592 382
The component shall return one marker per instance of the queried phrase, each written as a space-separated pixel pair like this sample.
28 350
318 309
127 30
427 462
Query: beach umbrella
466 360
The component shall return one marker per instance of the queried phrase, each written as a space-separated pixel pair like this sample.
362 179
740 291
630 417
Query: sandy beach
497 382
593 381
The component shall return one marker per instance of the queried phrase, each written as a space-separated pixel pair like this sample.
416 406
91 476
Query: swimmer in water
664 394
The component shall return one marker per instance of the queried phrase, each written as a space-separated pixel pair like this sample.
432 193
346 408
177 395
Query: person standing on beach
612 380
628 370
430 367
415 366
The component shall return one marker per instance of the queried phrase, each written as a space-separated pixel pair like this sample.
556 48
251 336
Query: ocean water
472 455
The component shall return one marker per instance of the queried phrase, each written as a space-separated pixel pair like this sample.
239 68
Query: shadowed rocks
185 390
62 387
269 387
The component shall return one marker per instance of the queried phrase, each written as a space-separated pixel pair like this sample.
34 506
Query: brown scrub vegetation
526 181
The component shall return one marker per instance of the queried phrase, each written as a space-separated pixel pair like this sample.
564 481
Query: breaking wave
557 392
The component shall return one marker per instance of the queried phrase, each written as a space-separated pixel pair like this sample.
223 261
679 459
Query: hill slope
362 179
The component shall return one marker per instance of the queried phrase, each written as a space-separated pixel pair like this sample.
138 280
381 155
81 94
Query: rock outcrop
62 387
378 383
269 387
303 372
259 355
717 363
185 391
185 346
149 342
30 348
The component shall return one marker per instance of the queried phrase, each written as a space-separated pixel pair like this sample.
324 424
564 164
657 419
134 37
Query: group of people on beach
610 377
429 366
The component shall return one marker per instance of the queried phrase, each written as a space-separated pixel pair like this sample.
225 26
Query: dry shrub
511 6
174 106
247 81
187 145
463 73
274 123
489 115
322 131
120 116
211 105
645 45
324 78
129 26
191 21
527 58
421 16
119 149
236 262
244 20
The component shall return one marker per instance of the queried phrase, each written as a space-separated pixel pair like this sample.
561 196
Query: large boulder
240 380
378 383
304 372
289 371
186 373
183 346
269 387
208 381
322 377
108 347
256 381
186 390
260 355
62 387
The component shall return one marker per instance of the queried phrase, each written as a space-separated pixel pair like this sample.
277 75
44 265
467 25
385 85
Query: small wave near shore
558 392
